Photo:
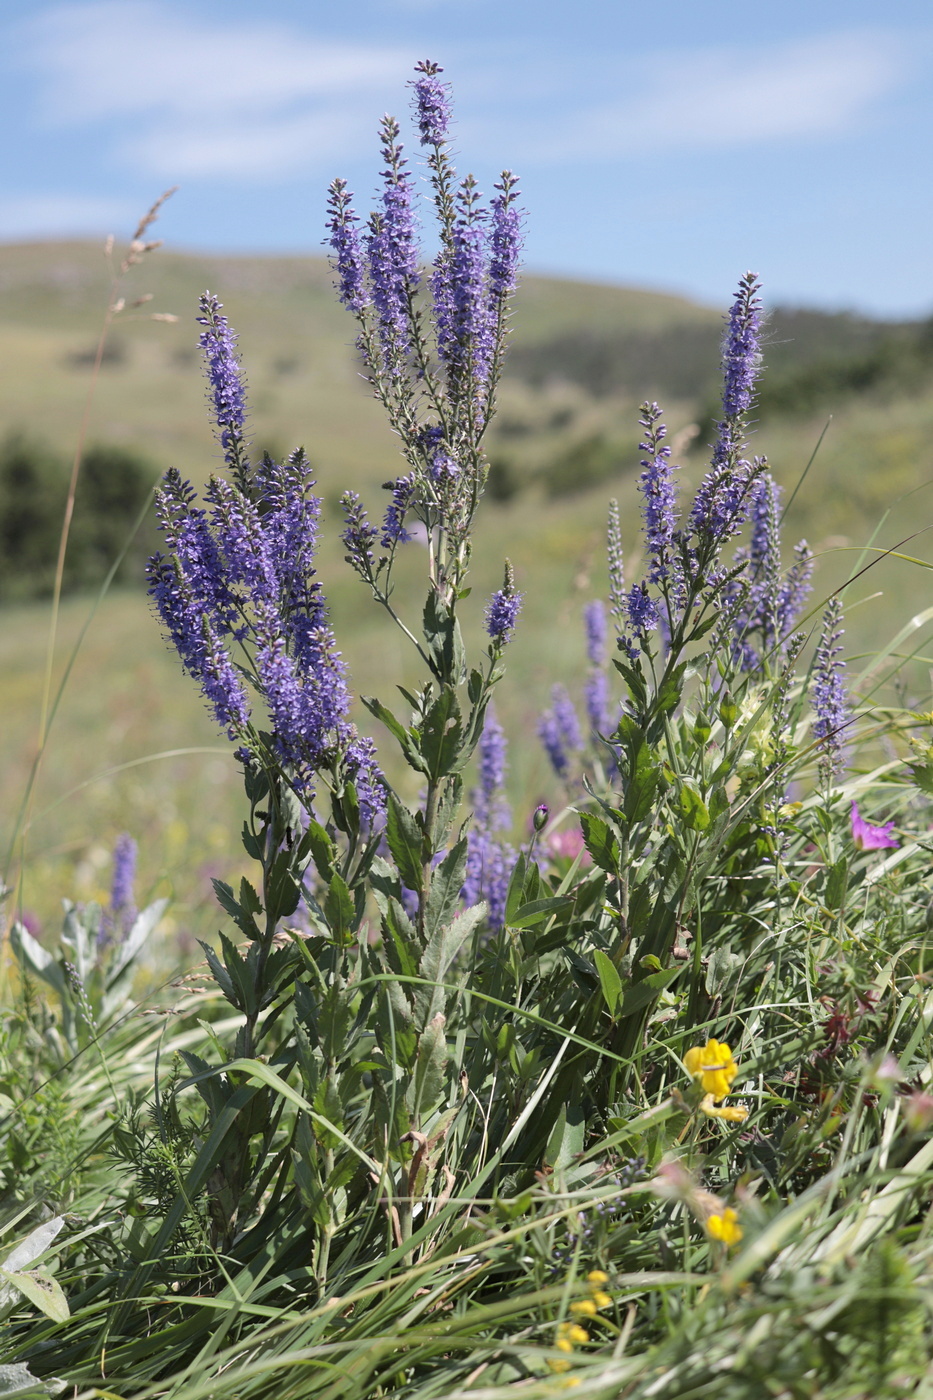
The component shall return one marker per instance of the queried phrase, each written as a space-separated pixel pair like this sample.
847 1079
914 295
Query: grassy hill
566 439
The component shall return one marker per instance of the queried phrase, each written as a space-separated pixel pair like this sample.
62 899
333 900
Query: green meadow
564 442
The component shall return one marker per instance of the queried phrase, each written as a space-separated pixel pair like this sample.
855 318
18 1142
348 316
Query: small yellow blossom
731 1115
597 1276
712 1064
573 1333
725 1227
585 1308
557 1365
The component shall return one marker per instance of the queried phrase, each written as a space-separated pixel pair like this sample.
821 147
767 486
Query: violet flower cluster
560 733
490 859
684 573
239 599
596 692
502 610
119 917
435 373
767 601
828 693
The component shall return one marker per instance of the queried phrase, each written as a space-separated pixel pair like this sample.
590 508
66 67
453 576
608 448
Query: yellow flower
732 1115
572 1333
585 1308
725 1227
597 1276
712 1064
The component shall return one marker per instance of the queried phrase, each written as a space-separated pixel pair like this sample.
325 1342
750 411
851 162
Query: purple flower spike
432 103
505 238
866 837
741 349
359 534
828 692
489 858
501 615
594 615
559 731
598 701
657 487
347 254
393 526
392 247
465 331
502 610
492 758
227 391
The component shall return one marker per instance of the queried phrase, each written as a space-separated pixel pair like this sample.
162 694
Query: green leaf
322 850
722 964
639 994
668 696
923 777
339 908
513 898
221 976
567 1136
43 1291
135 940
241 973
282 886
446 884
427 1082
406 738
441 734
693 809
18 1383
404 841
538 910
609 979
600 842
837 880
441 950
444 643
242 915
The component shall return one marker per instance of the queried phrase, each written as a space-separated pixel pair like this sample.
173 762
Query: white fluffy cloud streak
182 97
722 98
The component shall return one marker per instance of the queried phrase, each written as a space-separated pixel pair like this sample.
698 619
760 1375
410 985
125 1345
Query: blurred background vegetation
565 440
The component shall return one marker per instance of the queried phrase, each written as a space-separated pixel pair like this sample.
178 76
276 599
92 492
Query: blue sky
669 144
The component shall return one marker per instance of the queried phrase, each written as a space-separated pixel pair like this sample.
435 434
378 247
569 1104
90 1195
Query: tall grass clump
636 1101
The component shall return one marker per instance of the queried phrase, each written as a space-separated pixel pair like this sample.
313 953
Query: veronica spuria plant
385 897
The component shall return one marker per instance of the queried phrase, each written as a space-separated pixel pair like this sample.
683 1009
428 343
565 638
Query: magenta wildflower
871 838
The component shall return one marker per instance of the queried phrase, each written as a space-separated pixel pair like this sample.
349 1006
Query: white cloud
721 98
51 215
181 96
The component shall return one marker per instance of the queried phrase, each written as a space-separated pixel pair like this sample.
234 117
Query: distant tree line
812 357
112 489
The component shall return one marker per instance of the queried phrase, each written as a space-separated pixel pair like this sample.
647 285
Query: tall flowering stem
432 339
226 389
432 344
829 694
